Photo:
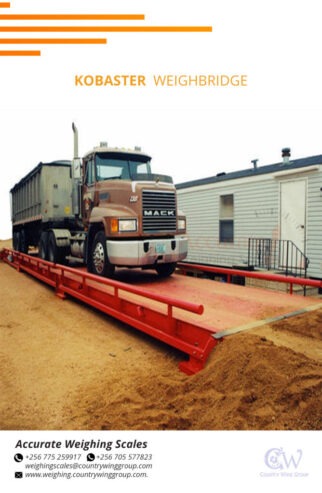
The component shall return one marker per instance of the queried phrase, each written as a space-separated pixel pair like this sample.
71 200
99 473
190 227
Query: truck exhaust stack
76 174
75 140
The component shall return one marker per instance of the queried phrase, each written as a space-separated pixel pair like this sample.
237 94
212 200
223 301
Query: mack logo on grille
161 213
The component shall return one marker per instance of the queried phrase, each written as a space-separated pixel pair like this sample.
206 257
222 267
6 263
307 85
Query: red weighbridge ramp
126 303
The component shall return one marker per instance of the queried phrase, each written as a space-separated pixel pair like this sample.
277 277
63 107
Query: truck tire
43 246
55 253
99 263
20 241
16 240
165 270
23 241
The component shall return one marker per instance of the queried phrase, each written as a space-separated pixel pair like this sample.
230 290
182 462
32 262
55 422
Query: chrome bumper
147 252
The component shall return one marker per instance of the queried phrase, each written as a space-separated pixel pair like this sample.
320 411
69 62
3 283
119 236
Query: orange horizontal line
52 41
49 17
19 53
130 29
4 5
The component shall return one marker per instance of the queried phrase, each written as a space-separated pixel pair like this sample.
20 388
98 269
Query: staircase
277 255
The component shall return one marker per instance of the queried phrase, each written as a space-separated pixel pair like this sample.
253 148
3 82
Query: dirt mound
308 326
249 383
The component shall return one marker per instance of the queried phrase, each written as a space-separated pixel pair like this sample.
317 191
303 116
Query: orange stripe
4 5
49 17
52 41
130 29
19 53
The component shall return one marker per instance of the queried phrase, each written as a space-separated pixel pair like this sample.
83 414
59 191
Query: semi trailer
106 210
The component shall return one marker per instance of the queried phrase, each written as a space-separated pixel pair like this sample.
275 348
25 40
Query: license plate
160 248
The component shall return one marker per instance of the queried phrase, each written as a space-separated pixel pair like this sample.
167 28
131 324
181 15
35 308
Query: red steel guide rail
230 272
126 303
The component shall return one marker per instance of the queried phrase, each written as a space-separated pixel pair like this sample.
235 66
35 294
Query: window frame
226 219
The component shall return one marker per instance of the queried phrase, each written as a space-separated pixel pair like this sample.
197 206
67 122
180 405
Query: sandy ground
66 366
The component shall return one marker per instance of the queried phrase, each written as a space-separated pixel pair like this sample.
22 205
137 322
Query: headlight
181 224
127 225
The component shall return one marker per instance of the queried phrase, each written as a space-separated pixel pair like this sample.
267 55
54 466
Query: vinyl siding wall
256 214
314 225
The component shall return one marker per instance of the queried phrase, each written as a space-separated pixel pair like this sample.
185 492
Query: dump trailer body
44 194
42 199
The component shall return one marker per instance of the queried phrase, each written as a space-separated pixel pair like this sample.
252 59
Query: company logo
282 463
277 459
159 213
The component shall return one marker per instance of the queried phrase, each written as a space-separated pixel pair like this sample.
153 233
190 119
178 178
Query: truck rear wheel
43 245
165 270
55 253
20 241
16 240
99 263
23 242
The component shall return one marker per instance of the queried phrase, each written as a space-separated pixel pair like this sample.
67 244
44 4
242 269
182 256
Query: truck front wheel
99 262
165 270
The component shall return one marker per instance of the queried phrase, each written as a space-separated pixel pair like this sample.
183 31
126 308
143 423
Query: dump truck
106 210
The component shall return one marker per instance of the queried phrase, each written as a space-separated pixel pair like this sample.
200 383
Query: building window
226 218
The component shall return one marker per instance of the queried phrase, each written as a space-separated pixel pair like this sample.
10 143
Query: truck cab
129 214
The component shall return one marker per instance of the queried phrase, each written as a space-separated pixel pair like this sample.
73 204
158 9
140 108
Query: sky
190 132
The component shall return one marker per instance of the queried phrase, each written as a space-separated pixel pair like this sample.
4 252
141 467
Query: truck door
88 194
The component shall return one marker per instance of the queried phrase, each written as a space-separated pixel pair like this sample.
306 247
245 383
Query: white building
266 217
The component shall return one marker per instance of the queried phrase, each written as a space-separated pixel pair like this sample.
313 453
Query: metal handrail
229 273
278 255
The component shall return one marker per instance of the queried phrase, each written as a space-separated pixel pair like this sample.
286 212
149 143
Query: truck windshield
122 166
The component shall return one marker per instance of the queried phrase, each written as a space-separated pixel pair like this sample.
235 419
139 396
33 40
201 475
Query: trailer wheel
23 242
43 246
16 240
165 270
99 263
